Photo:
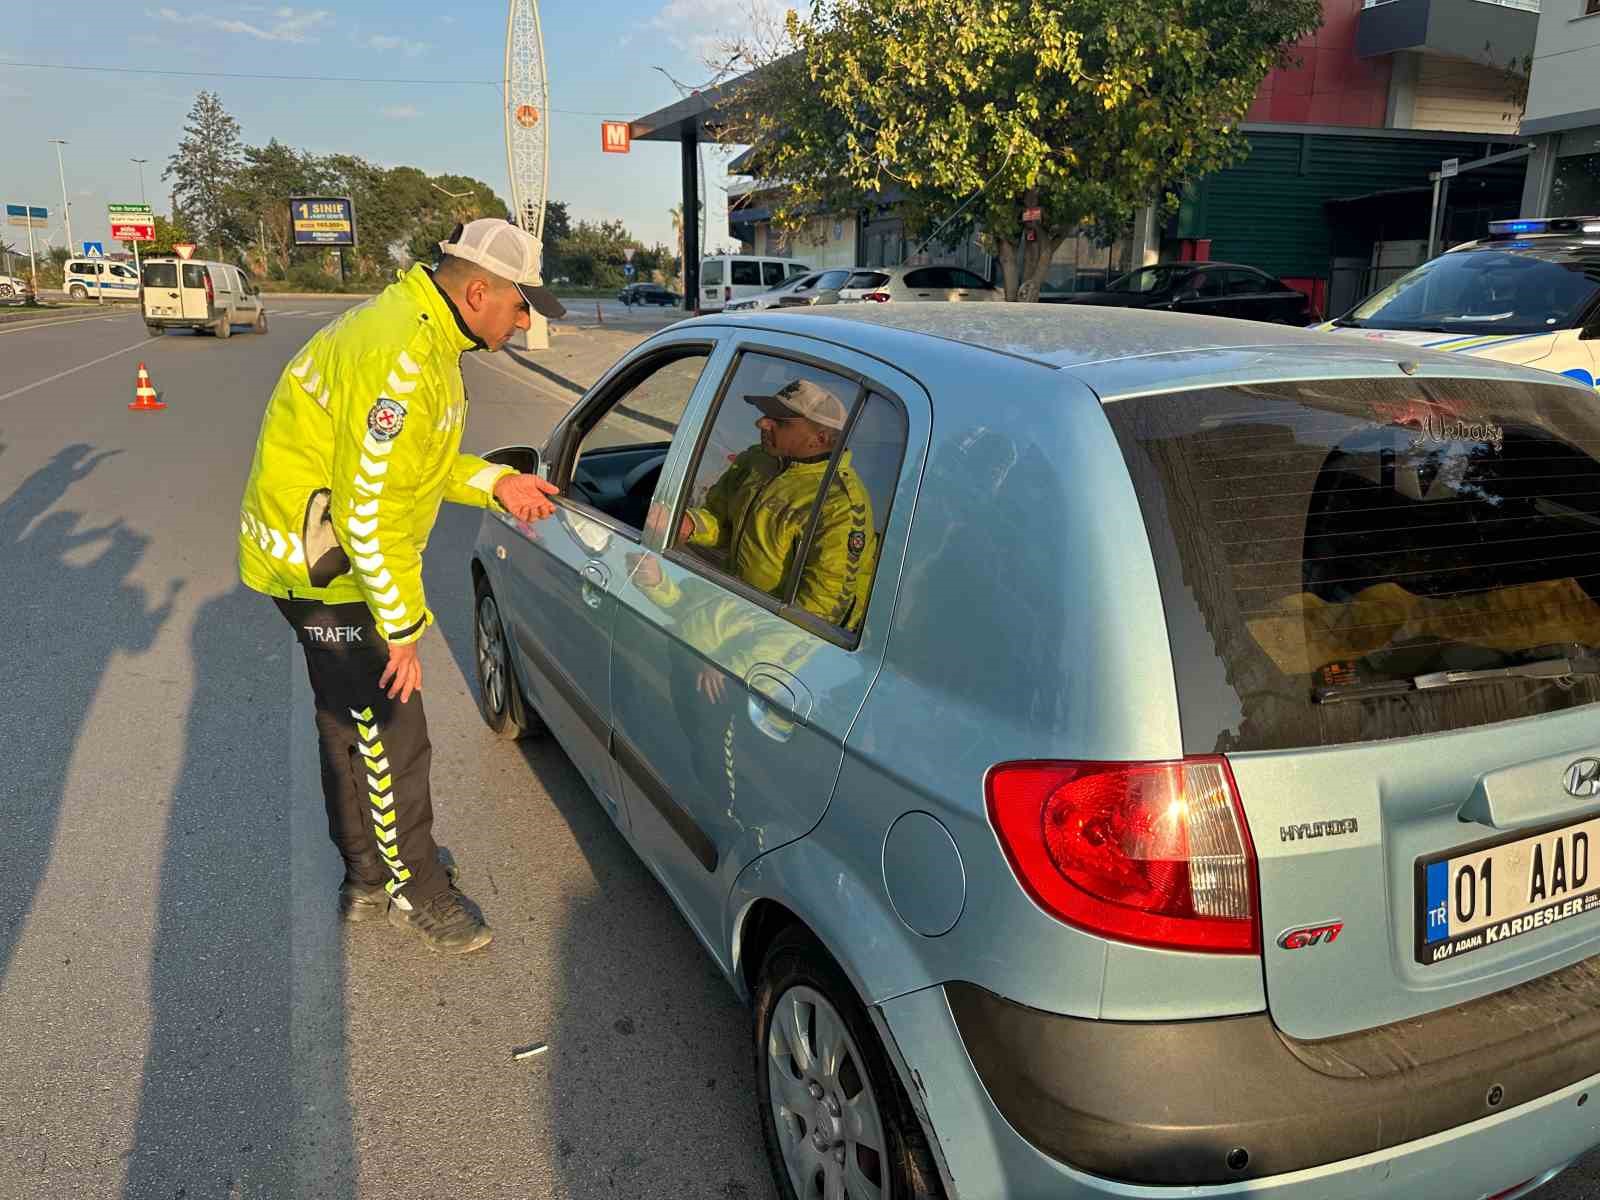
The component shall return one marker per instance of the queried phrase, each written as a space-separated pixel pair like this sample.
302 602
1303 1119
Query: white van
726 277
85 277
200 295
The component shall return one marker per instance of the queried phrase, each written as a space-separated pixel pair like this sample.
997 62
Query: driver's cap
510 252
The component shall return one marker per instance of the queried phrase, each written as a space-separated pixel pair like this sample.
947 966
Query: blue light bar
1539 225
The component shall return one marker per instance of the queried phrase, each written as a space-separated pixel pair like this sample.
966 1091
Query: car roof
1121 352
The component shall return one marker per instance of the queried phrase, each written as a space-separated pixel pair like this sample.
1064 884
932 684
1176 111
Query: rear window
1488 291
711 271
161 275
867 279
1323 548
194 275
929 277
744 273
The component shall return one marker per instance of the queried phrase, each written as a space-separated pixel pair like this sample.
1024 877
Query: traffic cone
144 395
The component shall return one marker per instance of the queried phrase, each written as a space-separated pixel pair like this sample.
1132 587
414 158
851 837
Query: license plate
1491 893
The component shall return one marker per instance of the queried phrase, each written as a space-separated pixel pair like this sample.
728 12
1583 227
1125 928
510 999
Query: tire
223 328
155 330
261 321
78 292
500 701
799 988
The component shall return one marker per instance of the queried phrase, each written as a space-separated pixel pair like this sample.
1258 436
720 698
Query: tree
592 254
205 172
971 112
168 233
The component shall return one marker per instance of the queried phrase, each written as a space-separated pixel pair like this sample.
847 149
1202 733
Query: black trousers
375 753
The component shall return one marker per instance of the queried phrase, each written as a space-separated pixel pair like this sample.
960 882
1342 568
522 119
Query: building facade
1563 113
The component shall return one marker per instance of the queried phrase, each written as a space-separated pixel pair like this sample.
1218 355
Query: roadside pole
33 267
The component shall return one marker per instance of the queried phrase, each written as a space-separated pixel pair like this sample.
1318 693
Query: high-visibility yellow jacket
757 514
359 446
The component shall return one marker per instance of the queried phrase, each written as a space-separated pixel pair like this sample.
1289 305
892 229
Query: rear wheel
834 1117
155 330
224 328
499 702
78 292
260 325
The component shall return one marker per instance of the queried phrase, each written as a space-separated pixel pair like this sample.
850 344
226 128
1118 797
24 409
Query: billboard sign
27 216
131 222
322 221
616 137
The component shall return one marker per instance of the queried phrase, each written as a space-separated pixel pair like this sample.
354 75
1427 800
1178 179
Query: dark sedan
1210 289
648 293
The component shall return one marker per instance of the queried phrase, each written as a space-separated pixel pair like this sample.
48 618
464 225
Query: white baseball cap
803 398
510 252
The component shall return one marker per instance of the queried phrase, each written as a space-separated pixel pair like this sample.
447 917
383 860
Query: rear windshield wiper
1549 668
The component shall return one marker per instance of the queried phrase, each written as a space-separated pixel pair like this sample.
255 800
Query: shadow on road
245 1086
561 381
52 565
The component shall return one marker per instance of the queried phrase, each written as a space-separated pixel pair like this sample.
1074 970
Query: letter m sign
615 136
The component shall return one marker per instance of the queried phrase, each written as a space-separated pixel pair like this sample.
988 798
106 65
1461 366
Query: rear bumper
1140 1124
1236 1099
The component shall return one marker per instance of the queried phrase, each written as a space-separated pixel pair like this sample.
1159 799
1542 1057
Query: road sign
628 270
183 250
94 250
27 216
616 137
1031 215
322 221
1450 168
628 253
131 222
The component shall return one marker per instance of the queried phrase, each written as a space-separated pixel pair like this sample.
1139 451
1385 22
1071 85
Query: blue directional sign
94 250
627 270
27 215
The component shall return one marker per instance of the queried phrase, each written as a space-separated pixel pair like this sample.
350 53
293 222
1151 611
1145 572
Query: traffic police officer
359 446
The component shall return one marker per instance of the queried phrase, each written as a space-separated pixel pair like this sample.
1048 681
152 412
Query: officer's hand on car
404 669
645 569
526 497
710 684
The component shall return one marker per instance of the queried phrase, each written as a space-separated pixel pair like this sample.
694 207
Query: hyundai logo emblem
1583 778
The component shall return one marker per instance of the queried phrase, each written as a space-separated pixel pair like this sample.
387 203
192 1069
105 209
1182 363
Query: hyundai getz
1171 769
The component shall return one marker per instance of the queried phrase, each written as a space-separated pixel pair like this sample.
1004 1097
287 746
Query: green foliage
592 254
168 233
1085 109
204 169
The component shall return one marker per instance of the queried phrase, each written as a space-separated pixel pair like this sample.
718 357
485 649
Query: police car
1529 293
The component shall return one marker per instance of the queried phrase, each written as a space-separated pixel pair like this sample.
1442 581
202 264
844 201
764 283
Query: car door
971 287
801 293
196 304
562 573
227 295
928 283
1202 293
731 694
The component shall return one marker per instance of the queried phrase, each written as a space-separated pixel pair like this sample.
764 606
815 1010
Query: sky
601 57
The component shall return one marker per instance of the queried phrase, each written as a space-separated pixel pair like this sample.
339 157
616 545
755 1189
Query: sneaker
448 923
360 902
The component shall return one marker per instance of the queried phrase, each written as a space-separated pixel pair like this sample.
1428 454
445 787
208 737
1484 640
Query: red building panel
1327 84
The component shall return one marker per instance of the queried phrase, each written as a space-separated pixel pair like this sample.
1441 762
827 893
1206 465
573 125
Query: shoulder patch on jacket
386 419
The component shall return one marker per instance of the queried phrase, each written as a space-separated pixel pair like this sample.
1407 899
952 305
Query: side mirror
521 458
1591 332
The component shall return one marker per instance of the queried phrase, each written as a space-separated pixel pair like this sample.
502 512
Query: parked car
1177 770
85 277
649 293
728 277
819 287
14 290
902 284
1205 289
1528 293
200 295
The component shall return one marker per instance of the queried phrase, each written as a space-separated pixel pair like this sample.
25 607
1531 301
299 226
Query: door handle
595 580
778 701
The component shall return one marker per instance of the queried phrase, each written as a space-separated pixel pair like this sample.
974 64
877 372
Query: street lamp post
137 269
66 205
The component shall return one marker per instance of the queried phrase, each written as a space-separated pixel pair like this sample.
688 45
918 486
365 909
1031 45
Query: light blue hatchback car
1116 754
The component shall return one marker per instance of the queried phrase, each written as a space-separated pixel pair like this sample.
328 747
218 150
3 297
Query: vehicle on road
1187 779
649 293
85 277
884 285
1528 293
803 291
14 290
1205 289
199 295
725 278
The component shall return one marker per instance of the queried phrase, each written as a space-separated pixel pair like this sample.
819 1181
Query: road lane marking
49 323
73 370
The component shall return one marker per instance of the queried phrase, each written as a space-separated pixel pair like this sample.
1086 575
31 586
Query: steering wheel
642 479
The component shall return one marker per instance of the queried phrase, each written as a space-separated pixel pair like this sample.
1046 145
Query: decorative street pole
527 97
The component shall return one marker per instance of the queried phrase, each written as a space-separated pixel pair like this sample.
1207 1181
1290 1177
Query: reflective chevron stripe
380 795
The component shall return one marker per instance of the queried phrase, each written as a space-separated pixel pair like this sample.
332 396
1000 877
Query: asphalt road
181 1016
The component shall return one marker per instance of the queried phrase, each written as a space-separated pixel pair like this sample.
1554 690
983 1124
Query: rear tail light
727 294
879 297
1152 853
211 292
